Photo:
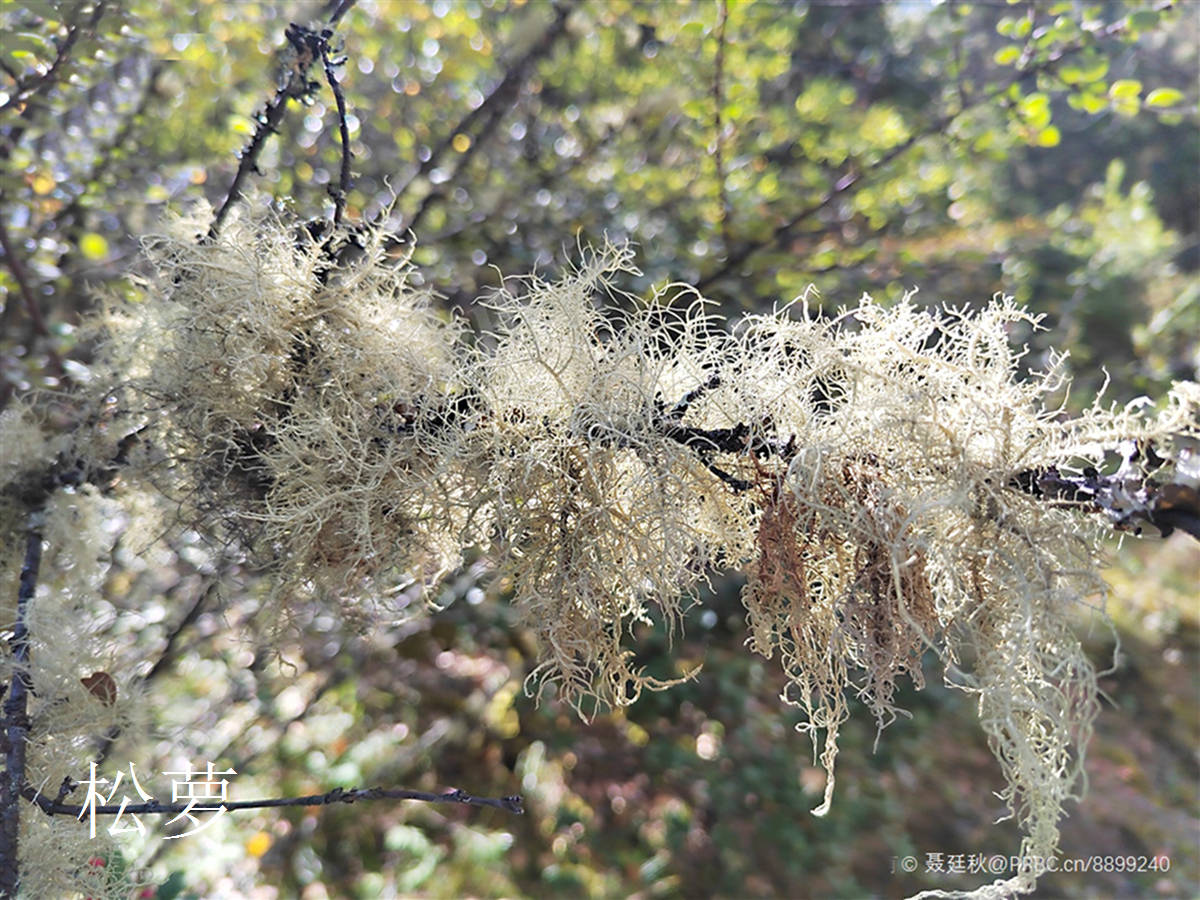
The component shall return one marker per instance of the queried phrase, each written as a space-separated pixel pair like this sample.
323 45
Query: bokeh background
1047 150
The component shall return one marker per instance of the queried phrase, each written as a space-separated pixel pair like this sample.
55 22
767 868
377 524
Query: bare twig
841 186
165 659
305 44
340 8
339 196
16 716
959 63
511 804
308 47
170 649
106 158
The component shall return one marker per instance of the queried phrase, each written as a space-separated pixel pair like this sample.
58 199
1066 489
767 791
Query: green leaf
1035 109
1164 97
172 888
93 246
23 42
1048 137
1087 69
1006 56
1126 106
1093 103
1125 89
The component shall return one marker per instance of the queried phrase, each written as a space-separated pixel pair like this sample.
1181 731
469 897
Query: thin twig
511 804
296 86
718 125
841 186
165 659
340 8
1124 500
339 196
959 66
106 157
16 716
308 46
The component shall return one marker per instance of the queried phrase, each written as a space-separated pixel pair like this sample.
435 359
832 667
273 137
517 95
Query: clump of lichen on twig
280 399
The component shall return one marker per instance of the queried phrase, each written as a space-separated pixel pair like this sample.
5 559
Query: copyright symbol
997 864
908 864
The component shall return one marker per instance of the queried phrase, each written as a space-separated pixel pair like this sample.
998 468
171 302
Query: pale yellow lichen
607 453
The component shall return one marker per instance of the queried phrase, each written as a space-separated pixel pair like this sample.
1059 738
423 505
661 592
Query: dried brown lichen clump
836 605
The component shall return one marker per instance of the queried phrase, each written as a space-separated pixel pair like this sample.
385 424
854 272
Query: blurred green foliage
1047 150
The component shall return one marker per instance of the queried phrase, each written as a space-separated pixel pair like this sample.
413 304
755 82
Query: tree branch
106 157
16 716
308 47
1127 501
1128 497
718 124
340 8
304 43
512 804
165 659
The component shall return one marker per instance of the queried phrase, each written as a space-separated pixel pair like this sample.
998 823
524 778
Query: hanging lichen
882 477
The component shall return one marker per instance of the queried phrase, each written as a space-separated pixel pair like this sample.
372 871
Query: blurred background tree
1047 150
